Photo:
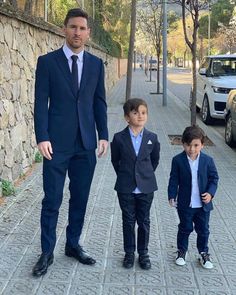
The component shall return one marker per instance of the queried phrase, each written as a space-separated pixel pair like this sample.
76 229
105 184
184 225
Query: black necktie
75 78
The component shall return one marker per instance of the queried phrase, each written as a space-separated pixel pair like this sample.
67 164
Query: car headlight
221 90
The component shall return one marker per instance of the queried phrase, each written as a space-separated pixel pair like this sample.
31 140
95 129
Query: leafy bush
38 157
7 188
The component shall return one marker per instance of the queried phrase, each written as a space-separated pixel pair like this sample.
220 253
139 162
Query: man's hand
173 203
206 198
45 149
102 147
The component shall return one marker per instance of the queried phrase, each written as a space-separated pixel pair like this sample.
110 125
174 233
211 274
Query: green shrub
38 157
103 38
7 188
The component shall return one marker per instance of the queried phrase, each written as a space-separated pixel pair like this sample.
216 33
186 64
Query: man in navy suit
192 186
135 157
70 107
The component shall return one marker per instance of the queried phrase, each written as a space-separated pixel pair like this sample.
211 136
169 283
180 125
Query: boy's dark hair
193 132
133 104
75 12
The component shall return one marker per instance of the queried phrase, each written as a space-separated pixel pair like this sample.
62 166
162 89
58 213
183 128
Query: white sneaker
180 258
204 259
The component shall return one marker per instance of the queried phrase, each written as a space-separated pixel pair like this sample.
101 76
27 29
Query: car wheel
229 132
206 117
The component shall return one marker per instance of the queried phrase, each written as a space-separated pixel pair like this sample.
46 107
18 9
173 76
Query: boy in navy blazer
135 156
192 186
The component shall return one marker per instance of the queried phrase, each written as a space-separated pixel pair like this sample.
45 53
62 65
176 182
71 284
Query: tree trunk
131 49
184 61
146 65
194 77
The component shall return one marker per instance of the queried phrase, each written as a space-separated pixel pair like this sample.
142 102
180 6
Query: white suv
215 78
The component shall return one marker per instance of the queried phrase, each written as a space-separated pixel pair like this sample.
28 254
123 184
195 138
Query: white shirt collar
68 53
197 159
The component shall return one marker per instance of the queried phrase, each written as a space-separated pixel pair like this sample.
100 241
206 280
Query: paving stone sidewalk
102 234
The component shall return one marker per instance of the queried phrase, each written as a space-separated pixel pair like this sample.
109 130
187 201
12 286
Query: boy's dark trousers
200 219
136 207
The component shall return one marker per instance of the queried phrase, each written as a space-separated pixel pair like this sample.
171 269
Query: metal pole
209 27
135 60
164 39
46 10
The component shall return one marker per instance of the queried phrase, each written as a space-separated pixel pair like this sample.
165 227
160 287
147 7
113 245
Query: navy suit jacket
135 171
59 113
180 182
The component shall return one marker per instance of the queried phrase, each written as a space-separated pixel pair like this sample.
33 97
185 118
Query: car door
202 80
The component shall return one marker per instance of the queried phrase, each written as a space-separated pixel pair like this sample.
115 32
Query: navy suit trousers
200 219
136 208
80 165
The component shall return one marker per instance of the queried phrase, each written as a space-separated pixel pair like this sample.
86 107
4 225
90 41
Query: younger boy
135 156
192 186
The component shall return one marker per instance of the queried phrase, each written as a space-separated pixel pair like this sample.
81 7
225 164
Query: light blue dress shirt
136 141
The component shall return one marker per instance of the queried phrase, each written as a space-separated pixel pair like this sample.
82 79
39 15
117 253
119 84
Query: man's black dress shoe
42 265
79 254
144 261
128 261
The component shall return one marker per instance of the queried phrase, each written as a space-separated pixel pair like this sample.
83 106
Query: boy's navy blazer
59 112
180 182
135 171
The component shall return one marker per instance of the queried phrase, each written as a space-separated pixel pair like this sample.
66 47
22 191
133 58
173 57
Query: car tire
229 132
206 117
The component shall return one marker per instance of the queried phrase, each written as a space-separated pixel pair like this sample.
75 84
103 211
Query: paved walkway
102 235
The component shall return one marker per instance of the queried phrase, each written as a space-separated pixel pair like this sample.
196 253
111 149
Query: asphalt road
179 84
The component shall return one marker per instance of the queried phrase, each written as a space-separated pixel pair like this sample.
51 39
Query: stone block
16 135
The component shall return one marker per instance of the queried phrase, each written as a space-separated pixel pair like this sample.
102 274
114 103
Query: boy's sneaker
205 261
180 258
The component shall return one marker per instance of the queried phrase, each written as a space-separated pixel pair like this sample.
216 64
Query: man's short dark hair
133 104
193 132
75 12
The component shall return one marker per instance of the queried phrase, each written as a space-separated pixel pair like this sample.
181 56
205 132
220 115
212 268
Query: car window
223 67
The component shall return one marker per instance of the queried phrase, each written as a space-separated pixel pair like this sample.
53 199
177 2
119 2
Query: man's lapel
85 72
64 67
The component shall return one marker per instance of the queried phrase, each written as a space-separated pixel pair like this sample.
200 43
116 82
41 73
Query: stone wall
21 42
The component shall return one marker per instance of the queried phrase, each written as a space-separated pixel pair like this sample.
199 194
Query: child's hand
206 198
173 203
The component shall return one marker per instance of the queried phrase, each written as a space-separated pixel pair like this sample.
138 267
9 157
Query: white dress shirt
68 53
196 201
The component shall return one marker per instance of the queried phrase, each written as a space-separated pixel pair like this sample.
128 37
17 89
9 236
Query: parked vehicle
215 78
230 118
152 65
